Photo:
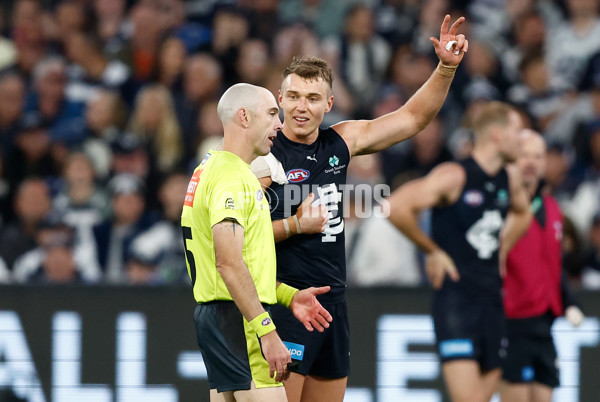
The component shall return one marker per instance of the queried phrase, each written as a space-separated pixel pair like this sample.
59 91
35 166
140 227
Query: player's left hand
450 55
307 309
574 315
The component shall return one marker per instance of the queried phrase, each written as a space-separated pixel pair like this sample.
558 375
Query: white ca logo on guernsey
330 197
483 234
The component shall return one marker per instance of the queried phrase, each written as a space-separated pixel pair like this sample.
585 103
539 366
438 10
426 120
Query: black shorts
471 328
325 354
230 348
531 357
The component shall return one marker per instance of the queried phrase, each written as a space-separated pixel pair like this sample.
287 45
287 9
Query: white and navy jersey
469 229
320 167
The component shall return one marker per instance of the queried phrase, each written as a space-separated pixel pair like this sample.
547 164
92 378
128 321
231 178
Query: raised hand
450 55
437 265
307 309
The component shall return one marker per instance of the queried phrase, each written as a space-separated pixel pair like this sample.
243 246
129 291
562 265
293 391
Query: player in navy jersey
470 201
535 292
310 237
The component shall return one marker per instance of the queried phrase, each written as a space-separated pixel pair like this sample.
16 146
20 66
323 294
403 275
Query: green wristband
285 293
262 324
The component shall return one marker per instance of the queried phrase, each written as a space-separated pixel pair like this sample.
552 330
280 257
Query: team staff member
231 258
534 290
469 202
311 158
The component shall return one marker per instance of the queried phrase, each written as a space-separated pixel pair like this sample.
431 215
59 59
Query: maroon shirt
532 285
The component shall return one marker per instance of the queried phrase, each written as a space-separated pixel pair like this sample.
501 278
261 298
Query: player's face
304 105
512 138
532 159
267 124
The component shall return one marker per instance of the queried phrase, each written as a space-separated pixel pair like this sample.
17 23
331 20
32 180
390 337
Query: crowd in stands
106 107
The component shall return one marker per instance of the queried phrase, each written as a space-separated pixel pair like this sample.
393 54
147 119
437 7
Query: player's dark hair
310 68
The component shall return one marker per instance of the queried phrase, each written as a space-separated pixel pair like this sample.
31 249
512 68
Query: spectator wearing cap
57 259
63 116
113 237
31 205
32 153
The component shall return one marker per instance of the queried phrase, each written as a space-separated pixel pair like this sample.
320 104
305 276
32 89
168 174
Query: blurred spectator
27 34
196 92
110 21
153 120
158 254
582 27
364 58
70 18
129 155
8 51
557 179
230 28
32 154
113 237
171 60
324 18
529 33
53 261
80 203
32 204
407 72
590 278
427 150
253 61
105 115
91 70
540 95
12 101
63 117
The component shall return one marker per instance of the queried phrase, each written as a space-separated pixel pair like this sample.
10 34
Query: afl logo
297 175
266 322
473 198
259 195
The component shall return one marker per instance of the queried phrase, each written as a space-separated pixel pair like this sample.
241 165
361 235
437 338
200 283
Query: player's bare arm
519 216
369 136
309 219
229 242
442 186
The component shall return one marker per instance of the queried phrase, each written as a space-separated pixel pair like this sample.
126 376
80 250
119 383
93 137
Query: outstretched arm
440 187
368 136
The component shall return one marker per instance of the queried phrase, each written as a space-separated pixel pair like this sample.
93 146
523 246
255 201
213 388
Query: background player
534 292
231 258
469 202
310 158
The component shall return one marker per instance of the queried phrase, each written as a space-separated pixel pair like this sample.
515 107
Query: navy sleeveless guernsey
320 167
468 230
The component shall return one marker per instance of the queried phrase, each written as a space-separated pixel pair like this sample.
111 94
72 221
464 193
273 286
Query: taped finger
450 44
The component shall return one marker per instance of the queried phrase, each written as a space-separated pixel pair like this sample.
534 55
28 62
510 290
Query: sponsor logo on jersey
334 161
296 350
229 203
502 197
259 195
191 188
265 322
297 175
456 347
473 198
527 373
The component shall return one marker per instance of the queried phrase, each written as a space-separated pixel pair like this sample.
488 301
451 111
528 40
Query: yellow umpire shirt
224 188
